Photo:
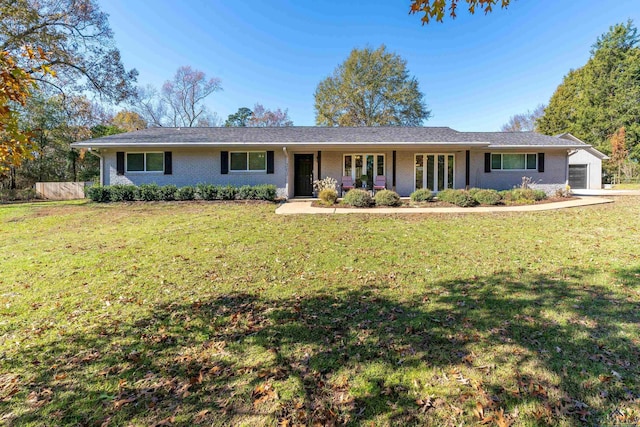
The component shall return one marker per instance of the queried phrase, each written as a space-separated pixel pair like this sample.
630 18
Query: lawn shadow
352 356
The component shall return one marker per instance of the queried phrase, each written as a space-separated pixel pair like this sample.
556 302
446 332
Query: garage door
578 176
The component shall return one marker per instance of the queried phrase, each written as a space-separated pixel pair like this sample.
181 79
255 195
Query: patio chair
380 183
347 184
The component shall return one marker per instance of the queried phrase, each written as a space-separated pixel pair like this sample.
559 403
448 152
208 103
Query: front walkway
604 192
293 207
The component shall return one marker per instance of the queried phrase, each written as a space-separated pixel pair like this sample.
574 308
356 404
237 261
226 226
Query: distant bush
168 192
149 192
486 197
186 193
460 198
99 193
358 198
422 195
387 198
328 196
123 193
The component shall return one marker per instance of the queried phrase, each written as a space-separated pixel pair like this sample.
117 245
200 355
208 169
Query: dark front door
578 176
303 175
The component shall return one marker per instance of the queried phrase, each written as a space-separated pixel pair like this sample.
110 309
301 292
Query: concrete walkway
605 193
293 207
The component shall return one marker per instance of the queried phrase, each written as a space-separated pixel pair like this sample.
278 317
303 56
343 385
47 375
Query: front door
303 175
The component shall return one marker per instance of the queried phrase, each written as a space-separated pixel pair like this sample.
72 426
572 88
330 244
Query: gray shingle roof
321 135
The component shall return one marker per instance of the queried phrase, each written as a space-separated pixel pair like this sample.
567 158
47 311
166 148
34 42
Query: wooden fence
60 190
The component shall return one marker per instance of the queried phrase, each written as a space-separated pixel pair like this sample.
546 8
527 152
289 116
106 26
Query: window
359 166
255 161
145 162
518 161
434 171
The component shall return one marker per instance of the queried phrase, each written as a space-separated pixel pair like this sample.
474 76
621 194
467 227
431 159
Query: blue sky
475 71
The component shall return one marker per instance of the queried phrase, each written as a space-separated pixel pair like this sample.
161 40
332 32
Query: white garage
585 166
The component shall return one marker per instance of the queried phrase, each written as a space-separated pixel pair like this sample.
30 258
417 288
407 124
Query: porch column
393 178
319 165
467 168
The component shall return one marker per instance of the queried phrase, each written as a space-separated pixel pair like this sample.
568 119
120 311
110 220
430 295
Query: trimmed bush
539 195
328 196
149 192
358 198
186 193
422 195
207 191
123 193
168 192
98 193
226 193
473 191
486 197
457 197
387 198
246 192
265 192
523 195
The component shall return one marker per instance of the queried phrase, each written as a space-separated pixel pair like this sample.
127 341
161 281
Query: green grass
226 314
627 186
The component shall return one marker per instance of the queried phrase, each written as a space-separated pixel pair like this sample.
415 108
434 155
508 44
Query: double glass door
434 171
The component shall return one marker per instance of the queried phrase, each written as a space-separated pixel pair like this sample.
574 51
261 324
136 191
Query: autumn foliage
438 8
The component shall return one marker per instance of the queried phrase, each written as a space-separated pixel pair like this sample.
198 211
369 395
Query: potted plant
364 179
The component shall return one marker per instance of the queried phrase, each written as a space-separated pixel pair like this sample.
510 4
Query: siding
191 167
554 176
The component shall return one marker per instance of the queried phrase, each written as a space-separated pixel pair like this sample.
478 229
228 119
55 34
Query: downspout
286 171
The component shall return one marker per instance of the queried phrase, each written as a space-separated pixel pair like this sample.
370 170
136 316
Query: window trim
144 161
534 169
435 175
247 170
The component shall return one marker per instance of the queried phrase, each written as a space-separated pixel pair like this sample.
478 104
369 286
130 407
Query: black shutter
168 163
540 162
224 162
467 168
120 162
319 165
487 162
270 156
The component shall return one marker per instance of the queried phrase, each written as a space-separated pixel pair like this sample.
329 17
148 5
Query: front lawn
215 313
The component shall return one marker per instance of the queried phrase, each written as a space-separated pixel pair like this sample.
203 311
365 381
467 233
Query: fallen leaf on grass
120 403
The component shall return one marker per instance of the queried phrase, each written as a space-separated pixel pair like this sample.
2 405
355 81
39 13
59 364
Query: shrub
358 198
123 193
246 192
149 192
186 193
422 195
457 197
328 196
226 193
207 191
168 192
387 198
265 192
539 195
486 197
473 191
98 193
327 183
523 195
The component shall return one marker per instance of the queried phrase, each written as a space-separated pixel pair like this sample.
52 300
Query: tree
180 102
129 121
16 84
240 118
263 117
525 122
594 101
619 152
78 43
371 88
437 8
